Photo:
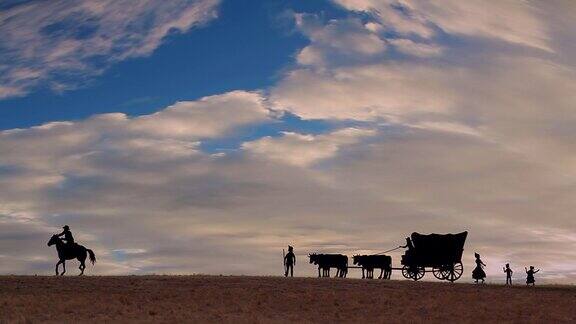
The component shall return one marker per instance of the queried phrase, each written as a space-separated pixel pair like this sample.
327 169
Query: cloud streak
63 44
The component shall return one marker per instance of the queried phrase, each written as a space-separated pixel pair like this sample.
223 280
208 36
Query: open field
272 299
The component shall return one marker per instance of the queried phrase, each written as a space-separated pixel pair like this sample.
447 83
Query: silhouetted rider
67 235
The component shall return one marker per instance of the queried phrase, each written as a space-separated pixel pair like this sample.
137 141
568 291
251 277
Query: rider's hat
290 248
66 227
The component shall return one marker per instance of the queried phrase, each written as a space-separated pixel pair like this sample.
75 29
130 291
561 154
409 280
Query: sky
204 136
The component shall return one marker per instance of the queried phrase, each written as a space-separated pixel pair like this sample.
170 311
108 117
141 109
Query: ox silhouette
371 262
327 261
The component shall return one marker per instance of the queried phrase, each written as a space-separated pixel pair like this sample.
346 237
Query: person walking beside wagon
530 275
289 262
509 273
478 273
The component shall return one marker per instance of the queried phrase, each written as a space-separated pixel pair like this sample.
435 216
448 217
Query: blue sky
177 136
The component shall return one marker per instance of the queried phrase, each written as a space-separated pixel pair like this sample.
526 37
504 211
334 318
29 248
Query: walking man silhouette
509 273
289 262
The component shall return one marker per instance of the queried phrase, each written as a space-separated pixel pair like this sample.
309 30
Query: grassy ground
273 299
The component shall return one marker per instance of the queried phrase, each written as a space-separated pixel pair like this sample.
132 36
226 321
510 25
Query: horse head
53 240
356 259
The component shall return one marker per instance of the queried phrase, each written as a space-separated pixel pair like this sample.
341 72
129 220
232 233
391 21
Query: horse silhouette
66 252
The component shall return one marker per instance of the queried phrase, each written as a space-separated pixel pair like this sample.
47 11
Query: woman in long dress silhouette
478 273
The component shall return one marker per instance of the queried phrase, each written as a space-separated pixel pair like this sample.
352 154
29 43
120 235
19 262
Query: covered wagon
441 254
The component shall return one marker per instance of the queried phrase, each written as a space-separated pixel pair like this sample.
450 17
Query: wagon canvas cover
437 249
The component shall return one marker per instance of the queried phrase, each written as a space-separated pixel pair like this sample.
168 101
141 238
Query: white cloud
305 150
172 132
417 49
367 92
511 21
447 127
336 40
44 40
207 117
406 23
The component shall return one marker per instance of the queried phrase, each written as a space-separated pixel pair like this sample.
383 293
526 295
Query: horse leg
82 267
63 267
82 259
57 264
381 272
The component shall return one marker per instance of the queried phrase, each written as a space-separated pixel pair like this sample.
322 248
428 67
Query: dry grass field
271 299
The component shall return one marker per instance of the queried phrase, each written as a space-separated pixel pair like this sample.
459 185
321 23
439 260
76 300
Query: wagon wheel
440 273
418 273
406 272
455 273
413 272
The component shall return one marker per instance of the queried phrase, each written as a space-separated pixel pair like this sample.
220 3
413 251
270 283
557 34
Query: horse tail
91 256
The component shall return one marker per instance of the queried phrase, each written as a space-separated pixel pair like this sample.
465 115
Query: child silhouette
530 275
509 273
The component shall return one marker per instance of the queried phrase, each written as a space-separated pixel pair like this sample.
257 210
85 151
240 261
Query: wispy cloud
64 43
